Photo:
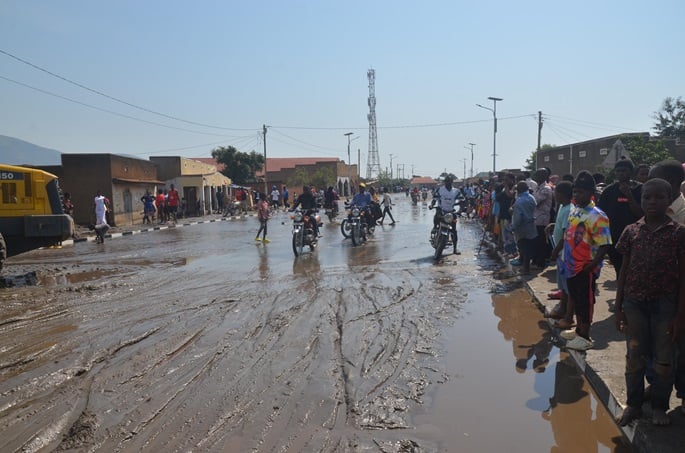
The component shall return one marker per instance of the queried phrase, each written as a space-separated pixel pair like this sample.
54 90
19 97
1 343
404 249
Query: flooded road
198 338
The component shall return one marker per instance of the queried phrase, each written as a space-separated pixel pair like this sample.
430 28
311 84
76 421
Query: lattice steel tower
373 166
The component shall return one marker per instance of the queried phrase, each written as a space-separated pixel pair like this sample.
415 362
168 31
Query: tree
320 178
240 167
646 151
670 120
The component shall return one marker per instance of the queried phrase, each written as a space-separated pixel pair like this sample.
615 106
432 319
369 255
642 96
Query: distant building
281 170
594 155
423 181
123 180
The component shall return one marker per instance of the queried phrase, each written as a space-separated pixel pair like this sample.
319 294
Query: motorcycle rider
446 197
330 200
307 202
362 198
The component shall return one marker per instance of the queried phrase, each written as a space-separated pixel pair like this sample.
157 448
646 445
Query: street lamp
494 131
472 145
349 178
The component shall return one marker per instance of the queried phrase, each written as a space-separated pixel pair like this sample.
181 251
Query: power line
590 124
117 99
111 112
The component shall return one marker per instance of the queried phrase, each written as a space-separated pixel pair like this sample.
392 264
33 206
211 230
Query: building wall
588 155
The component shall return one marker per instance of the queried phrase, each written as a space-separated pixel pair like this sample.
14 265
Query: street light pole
494 130
472 145
349 177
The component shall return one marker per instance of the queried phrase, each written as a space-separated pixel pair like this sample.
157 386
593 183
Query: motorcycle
414 198
360 222
332 211
441 236
303 231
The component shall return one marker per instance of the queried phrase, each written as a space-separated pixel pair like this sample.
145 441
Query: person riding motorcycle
307 202
446 197
330 199
362 198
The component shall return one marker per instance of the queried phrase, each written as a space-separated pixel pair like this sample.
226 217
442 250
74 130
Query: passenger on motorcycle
446 197
307 202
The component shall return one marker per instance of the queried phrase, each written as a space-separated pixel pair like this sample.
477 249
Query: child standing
562 194
263 215
586 241
650 300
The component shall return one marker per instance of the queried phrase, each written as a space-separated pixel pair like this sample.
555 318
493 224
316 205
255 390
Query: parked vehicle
31 212
304 234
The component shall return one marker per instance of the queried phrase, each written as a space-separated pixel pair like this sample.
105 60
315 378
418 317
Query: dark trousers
542 248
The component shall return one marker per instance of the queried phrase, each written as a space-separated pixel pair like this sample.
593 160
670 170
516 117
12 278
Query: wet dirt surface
198 338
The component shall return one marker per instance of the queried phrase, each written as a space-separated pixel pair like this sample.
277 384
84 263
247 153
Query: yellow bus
31 213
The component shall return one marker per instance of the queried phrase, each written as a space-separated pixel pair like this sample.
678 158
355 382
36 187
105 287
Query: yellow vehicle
31 213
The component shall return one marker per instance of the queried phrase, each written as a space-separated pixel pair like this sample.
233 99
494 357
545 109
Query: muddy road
198 338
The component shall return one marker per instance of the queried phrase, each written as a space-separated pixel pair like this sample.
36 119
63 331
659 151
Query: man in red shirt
173 202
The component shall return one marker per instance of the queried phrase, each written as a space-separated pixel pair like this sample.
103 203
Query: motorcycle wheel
356 235
372 229
345 228
298 243
440 242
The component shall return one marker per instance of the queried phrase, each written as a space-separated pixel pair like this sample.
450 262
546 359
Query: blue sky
594 68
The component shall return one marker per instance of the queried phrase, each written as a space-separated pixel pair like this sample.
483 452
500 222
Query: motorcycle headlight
298 217
355 212
449 217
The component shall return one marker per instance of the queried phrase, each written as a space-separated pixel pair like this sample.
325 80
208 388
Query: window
604 151
582 153
561 157
546 159
9 192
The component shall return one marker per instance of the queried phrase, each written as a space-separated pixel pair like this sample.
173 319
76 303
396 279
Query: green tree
670 120
646 151
240 167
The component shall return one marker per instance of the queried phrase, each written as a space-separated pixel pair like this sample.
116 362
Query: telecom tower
373 166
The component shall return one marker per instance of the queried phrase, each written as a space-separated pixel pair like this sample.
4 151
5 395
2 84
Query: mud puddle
515 390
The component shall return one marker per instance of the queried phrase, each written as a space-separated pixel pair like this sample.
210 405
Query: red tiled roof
423 180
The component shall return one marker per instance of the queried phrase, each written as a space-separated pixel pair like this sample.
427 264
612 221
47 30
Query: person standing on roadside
563 194
148 207
286 198
160 201
586 242
263 217
650 301
101 225
544 197
275 194
172 202
621 203
523 225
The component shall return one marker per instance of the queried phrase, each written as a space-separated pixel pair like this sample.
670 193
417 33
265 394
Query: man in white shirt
446 197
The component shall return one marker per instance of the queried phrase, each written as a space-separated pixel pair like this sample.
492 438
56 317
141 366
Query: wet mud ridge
120 361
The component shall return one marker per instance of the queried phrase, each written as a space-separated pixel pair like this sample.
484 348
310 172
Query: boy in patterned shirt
650 301
586 241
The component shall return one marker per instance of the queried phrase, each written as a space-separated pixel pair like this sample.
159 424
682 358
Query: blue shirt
523 220
361 199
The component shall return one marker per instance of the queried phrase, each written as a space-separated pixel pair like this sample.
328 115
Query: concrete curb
130 230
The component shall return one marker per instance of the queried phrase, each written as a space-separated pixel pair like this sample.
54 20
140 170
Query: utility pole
349 163
494 130
265 182
537 153
472 145
391 156
464 160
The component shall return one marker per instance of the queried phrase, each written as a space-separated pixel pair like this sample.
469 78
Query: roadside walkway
604 365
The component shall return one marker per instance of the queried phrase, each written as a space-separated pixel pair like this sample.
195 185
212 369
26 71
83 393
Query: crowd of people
576 222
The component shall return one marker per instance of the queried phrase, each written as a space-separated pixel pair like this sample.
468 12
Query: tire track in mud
326 361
